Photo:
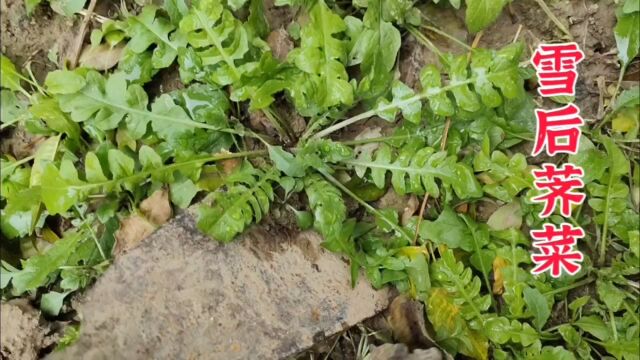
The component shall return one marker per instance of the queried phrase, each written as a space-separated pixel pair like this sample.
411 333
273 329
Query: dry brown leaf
498 278
157 207
406 318
132 230
101 57
230 165
462 208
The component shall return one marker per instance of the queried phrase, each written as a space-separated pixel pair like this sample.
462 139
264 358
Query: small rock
401 352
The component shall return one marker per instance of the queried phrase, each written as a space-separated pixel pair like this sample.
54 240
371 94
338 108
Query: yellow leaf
445 317
625 121
49 235
498 282
477 345
442 312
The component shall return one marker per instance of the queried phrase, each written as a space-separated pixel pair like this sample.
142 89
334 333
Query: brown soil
28 39
23 334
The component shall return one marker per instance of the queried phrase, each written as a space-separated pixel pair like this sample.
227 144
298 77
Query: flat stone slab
180 295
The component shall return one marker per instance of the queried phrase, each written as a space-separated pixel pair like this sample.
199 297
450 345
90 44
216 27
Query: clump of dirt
20 143
278 16
24 335
165 81
28 39
280 43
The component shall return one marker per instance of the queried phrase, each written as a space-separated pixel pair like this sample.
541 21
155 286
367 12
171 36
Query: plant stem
380 139
613 99
450 37
554 19
393 105
144 174
17 163
93 234
366 205
605 224
570 286
612 320
282 127
424 41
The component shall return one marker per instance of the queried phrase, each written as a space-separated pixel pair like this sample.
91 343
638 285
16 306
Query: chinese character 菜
557 254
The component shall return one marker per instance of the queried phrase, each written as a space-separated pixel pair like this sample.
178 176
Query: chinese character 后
559 183
558 130
556 249
555 65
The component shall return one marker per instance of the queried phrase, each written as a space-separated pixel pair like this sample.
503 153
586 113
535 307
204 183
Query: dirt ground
24 334
45 39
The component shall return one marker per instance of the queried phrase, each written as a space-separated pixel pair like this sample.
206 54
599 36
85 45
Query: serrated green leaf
375 49
449 229
36 271
244 202
149 28
49 111
67 7
120 164
321 58
415 170
329 210
610 295
219 40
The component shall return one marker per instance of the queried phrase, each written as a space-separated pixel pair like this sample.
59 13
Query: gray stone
180 295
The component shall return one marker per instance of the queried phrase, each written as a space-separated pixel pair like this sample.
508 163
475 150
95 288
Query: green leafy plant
457 142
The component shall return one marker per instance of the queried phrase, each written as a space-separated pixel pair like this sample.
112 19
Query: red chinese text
558 185
556 68
558 130
557 254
